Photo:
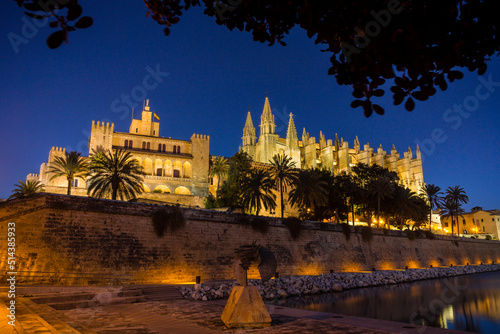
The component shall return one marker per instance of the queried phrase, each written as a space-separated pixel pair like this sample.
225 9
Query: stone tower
145 126
249 138
268 138
101 136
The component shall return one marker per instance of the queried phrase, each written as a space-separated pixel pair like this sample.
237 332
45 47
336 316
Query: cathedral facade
333 155
175 169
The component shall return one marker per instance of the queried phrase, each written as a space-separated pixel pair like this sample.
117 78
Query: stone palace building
176 170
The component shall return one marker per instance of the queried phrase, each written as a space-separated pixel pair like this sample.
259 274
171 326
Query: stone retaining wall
78 240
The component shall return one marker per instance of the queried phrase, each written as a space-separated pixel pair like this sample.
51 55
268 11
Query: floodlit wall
79 240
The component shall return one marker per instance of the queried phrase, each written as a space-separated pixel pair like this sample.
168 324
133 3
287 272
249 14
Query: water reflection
470 302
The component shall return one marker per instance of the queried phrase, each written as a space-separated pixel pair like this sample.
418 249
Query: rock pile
289 286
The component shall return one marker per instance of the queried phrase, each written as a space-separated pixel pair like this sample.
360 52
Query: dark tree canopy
409 46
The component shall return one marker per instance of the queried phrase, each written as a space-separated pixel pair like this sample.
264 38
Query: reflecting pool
469 302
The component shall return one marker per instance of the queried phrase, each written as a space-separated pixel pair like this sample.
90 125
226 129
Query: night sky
207 78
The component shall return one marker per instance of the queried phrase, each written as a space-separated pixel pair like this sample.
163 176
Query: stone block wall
79 240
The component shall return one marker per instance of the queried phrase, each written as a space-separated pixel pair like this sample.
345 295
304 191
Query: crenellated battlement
106 128
58 149
200 137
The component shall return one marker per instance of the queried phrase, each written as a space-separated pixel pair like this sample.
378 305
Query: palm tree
283 175
71 166
114 173
433 194
27 189
310 191
450 209
219 168
257 191
456 197
380 188
407 206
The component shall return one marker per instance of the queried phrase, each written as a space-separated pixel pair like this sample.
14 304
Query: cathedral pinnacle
292 139
267 119
249 137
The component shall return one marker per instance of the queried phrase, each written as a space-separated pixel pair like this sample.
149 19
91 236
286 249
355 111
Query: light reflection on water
469 303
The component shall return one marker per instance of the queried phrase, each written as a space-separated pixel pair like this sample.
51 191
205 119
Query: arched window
130 143
149 146
175 148
178 150
159 147
164 148
143 145
126 142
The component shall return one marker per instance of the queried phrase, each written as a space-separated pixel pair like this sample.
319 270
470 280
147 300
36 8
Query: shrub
488 237
429 235
294 226
366 233
210 202
346 229
260 224
168 218
157 191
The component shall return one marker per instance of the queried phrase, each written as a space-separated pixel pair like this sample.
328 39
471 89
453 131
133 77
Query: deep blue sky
50 97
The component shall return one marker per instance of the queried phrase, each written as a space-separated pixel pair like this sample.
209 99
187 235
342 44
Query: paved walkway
185 317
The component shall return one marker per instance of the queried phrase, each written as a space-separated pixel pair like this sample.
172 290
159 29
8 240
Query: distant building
335 156
477 222
176 170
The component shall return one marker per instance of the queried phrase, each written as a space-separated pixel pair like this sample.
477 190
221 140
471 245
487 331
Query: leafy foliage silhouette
417 45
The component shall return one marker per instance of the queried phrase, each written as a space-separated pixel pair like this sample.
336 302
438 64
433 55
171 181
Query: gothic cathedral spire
292 140
267 125
249 137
